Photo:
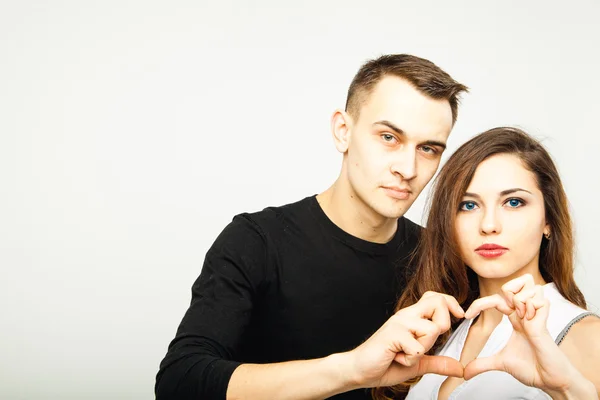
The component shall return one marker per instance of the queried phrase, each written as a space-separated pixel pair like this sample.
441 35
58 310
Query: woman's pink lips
491 253
490 250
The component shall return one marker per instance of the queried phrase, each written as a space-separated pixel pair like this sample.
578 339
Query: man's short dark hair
424 75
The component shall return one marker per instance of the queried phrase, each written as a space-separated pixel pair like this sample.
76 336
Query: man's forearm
293 380
390 356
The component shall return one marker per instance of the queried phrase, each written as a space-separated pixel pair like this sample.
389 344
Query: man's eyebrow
502 193
434 143
391 126
401 133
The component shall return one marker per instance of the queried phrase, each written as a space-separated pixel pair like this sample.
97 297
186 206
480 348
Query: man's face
395 146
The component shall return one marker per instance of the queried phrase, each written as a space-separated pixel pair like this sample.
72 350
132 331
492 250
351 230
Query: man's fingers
437 307
425 332
452 304
440 365
422 327
405 344
495 301
411 335
408 360
481 365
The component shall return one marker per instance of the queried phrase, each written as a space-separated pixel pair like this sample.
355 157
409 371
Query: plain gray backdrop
132 131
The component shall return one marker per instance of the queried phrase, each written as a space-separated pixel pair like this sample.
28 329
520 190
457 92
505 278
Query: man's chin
396 211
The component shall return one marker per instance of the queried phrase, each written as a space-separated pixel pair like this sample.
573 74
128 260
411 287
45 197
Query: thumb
481 365
408 360
440 365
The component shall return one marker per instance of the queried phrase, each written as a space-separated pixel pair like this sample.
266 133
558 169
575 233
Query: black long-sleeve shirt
282 284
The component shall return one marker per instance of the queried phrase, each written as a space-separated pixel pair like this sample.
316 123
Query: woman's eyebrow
509 191
502 193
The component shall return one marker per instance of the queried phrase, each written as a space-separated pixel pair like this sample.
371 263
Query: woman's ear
341 124
547 231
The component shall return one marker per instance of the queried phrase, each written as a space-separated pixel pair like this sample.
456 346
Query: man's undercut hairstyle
424 75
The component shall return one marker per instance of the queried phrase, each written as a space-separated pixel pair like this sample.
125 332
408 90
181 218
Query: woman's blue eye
515 203
468 206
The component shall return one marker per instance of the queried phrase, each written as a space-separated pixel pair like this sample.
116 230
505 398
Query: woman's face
501 219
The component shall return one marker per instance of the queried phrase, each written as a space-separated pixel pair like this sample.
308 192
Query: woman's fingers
481 365
536 302
494 301
515 294
530 309
511 288
520 300
528 301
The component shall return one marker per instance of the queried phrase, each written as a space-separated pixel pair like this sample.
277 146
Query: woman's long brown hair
439 266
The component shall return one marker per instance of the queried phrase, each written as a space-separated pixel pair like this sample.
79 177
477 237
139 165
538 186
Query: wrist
344 376
578 388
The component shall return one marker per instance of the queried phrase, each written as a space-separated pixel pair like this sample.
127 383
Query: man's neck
345 209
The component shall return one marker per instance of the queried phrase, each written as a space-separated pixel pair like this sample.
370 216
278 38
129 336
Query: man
313 280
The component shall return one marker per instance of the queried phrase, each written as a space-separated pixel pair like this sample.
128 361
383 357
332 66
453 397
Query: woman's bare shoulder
582 346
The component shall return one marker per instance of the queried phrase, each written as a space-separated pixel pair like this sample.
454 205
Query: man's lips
490 250
397 192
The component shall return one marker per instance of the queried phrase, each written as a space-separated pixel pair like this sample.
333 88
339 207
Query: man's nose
405 163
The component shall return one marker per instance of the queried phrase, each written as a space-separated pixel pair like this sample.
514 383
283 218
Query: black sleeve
201 358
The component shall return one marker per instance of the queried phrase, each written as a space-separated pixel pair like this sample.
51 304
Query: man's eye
387 137
428 149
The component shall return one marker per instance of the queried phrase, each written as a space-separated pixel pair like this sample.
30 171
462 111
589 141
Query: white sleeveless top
494 385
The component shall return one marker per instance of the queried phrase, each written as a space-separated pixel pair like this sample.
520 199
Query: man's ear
341 125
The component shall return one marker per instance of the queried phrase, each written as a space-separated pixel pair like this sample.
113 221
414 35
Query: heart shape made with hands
531 355
527 310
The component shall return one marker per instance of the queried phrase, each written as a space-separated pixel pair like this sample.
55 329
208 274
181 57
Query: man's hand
396 352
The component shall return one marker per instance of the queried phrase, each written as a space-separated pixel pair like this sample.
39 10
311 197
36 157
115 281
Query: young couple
338 293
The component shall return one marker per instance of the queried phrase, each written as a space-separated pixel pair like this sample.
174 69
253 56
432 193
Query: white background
131 132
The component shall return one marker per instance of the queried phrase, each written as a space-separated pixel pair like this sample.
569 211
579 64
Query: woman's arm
582 347
531 355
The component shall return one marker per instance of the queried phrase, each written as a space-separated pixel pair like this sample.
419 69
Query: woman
499 230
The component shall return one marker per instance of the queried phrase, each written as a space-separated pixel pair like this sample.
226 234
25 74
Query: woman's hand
531 356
